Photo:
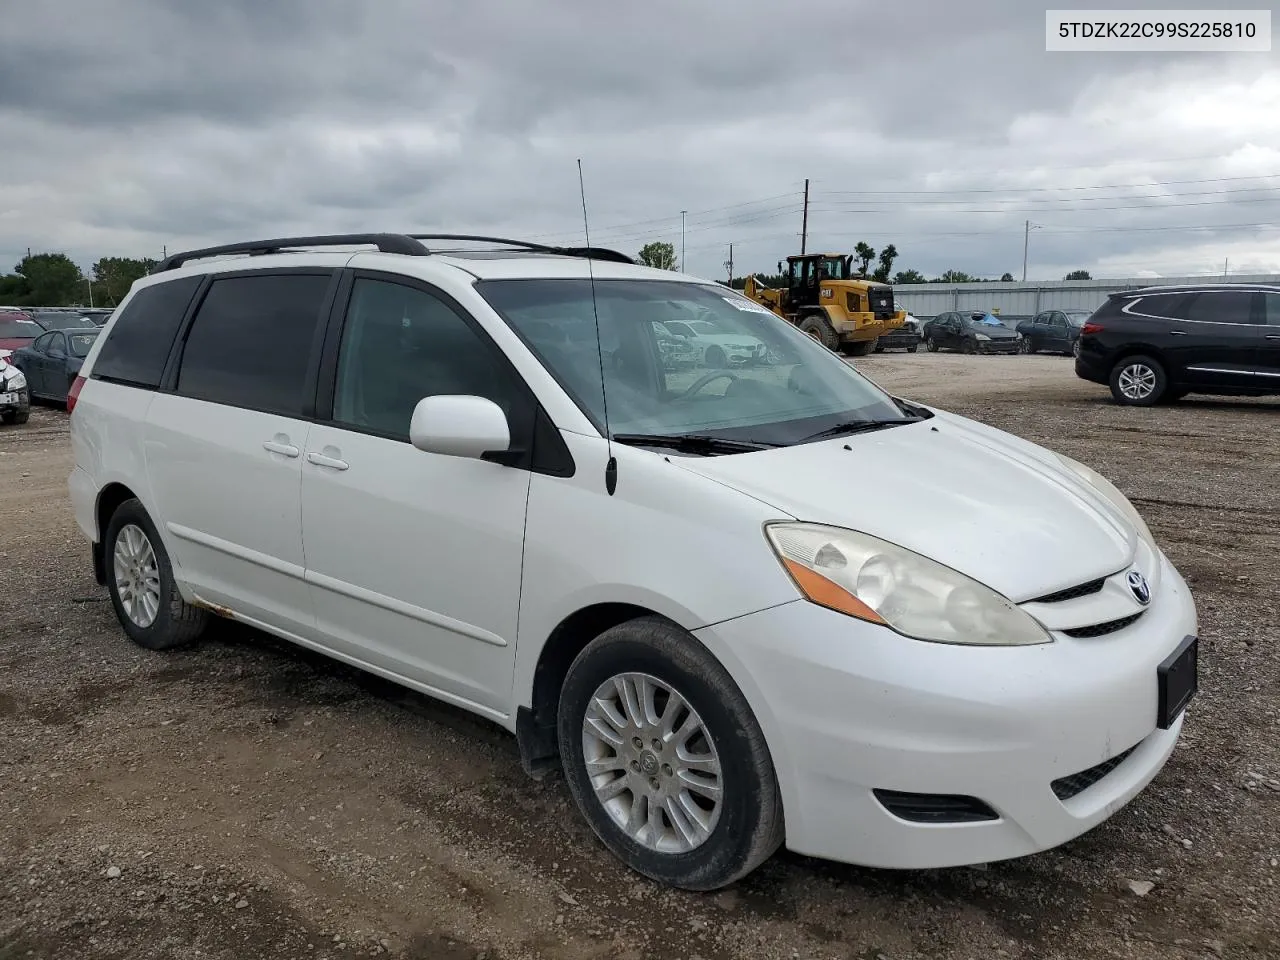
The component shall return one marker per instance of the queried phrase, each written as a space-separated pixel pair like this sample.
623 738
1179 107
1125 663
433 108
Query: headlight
879 582
15 380
981 336
1118 499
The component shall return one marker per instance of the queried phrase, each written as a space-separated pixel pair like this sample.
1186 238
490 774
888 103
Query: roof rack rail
591 253
385 242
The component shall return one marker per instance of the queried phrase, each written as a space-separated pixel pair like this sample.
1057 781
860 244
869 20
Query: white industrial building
1018 299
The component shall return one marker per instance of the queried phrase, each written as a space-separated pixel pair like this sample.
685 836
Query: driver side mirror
459 426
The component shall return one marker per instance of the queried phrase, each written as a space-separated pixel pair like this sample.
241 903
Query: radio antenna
611 468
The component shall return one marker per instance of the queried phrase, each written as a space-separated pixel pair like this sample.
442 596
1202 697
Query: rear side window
1271 309
1221 307
1170 306
139 343
251 342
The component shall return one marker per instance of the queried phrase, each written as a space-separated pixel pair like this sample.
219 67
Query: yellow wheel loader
825 300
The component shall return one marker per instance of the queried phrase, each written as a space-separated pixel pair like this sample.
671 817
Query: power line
1042 210
1100 186
1141 196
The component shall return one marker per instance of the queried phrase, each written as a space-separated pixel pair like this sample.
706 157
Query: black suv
1161 343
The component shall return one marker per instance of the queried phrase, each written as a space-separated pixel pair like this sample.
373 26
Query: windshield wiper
692 442
859 426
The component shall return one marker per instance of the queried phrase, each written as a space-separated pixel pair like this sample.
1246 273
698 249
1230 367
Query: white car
666 590
718 347
15 396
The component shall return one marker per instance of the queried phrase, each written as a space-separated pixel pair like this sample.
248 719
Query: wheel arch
535 726
109 500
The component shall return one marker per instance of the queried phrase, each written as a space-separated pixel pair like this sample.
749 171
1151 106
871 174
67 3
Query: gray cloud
142 125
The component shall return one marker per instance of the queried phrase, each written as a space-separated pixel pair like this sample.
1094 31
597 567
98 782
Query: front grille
1072 593
1067 787
934 807
1102 629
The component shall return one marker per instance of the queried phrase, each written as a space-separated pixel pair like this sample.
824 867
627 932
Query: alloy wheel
137 575
652 763
1137 381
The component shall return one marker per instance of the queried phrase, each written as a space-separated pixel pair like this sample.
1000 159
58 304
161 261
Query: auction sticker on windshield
747 306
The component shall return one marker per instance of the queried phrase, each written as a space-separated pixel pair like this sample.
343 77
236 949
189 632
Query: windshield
20 328
760 379
834 267
65 321
81 343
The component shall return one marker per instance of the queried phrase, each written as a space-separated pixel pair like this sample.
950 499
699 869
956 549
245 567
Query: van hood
994 507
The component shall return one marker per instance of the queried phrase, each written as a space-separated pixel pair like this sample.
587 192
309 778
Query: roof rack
592 253
407 244
385 242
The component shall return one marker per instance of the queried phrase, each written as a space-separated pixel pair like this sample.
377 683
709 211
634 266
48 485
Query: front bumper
999 346
848 707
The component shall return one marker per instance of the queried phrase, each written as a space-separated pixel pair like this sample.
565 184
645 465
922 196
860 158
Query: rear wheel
1138 381
913 348
665 759
140 581
818 327
1075 348
860 348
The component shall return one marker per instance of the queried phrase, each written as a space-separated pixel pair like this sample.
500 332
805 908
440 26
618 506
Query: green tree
908 276
864 254
956 276
113 276
1007 278
14 289
660 255
1078 275
887 256
53 279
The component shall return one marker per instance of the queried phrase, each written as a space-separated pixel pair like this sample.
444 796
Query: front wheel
819 328
913 348
931 345
665 759
21 413
140 581
1024 346
861 348
968 347
1138 381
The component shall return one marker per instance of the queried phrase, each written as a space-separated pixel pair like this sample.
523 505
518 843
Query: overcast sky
127 126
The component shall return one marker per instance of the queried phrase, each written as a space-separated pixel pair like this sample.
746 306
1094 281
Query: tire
175 623
817 326
1025 346
715 358
1075 348
737 833
931 345
968 347
913 348
1138 381
879 349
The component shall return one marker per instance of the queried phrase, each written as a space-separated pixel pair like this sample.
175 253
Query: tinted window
1169 305
20 328
57 345
140 340
1221 307
250 343
1271 308
43 344
400 344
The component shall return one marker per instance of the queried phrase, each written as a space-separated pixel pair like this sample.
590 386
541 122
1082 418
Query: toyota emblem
1139 587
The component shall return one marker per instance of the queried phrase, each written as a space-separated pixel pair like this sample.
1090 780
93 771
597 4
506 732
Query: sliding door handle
333 463
284 449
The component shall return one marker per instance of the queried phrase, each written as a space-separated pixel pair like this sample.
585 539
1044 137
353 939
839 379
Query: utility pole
683 268
1225 261
804 227
729 263
1026 239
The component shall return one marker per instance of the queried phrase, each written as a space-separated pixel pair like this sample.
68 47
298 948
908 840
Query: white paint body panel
449 575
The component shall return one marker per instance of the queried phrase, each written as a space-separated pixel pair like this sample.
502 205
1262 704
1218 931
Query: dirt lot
244 799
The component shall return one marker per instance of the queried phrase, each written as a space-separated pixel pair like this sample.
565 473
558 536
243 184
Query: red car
17 330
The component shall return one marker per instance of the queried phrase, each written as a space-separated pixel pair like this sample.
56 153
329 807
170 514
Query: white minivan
693 588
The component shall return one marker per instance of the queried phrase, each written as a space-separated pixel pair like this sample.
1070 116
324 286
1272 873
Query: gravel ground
246 799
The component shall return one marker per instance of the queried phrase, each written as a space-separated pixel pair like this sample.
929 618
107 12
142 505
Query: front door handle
333 463
284 449
1273 336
